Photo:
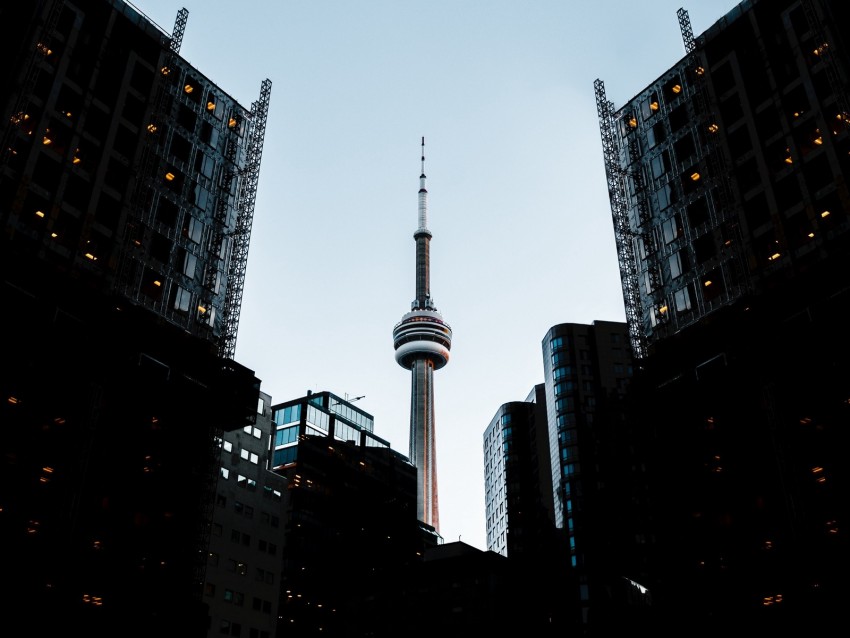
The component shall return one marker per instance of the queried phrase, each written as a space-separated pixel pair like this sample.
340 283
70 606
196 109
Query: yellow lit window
188 88
653 106
54 235
700 70
695 176
165 70
811 235
211 106
151 128
157 282
774 257
46 140
90 256
713 128
825 213
677 88
662 309
39 213
44 49
231 122
201 309
169 176
707 282
633 121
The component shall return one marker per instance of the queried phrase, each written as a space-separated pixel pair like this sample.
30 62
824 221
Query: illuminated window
188 88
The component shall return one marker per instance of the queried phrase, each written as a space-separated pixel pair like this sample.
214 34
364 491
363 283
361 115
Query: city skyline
524 241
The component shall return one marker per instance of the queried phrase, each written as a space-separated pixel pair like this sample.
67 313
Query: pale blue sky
502 91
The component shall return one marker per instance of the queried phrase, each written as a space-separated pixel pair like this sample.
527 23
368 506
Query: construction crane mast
245 216
179 30
620 213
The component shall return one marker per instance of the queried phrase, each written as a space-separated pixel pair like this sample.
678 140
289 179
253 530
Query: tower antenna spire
422 340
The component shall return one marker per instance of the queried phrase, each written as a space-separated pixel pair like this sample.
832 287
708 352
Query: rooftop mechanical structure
422 341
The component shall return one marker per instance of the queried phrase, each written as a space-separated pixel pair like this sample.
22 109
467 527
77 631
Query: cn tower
422 341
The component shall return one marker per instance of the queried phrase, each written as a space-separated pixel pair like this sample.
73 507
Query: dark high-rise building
728 184
587 372
243 571
422 341
518 478
127 186
350 530
560 476
518 506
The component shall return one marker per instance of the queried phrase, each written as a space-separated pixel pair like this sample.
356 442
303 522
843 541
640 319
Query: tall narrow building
422 341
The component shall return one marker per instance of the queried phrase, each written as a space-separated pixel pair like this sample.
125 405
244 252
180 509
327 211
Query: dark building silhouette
243 570
728 184
127 186
587 372
559 474
518 478
350 529
519 508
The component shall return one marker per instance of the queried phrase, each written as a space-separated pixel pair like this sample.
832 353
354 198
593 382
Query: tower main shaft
422 341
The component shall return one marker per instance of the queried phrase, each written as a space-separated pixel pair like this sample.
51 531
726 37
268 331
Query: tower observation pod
422 341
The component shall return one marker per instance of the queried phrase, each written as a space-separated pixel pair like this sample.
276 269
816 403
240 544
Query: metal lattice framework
687 31
245 217
179 30
619 211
